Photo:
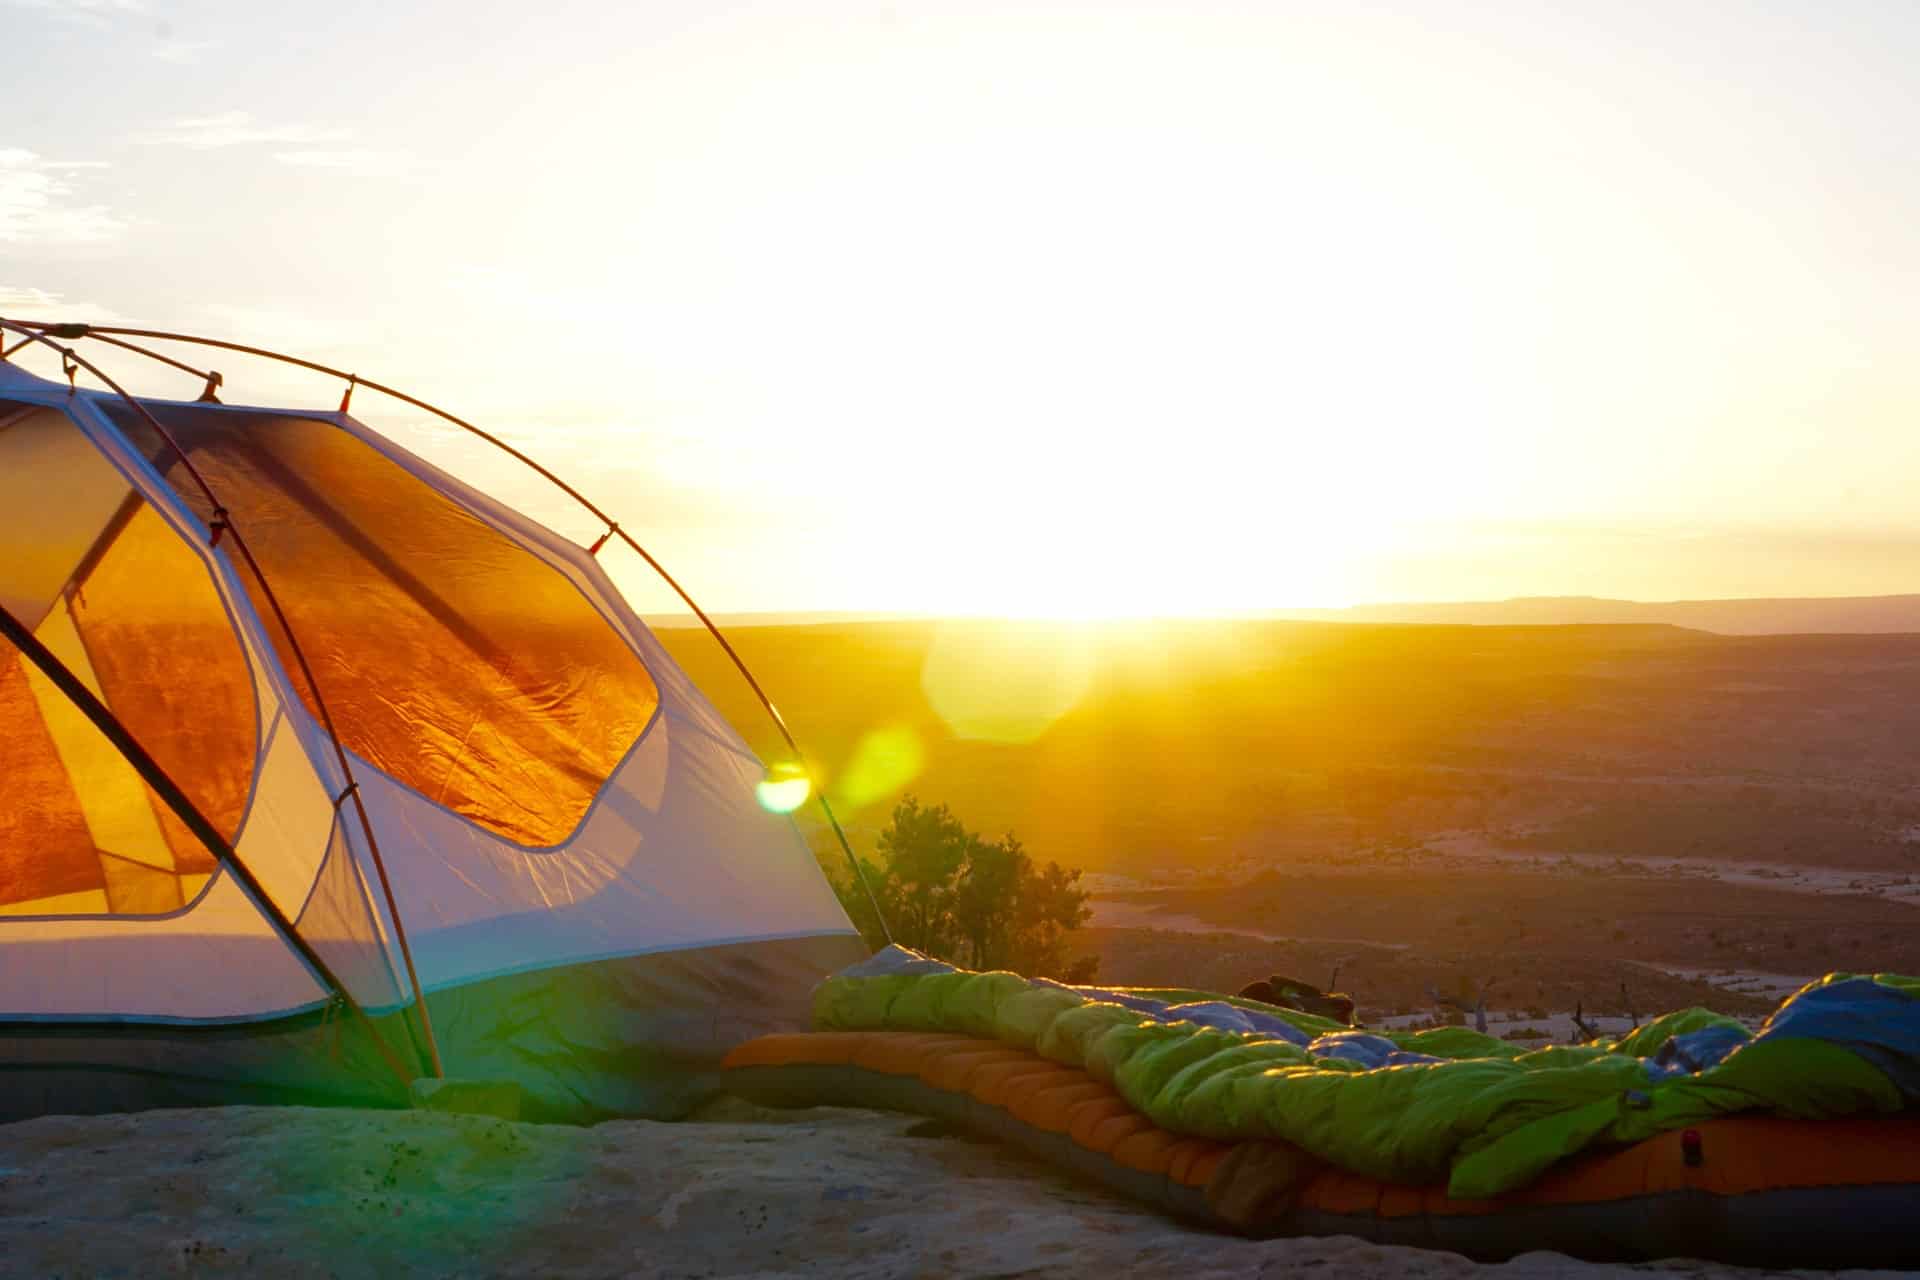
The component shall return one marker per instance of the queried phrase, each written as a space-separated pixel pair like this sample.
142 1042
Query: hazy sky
1049 307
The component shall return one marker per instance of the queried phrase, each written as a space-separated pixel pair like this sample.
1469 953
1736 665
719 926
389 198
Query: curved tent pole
211 379
103 719
223 521
159 356
613 530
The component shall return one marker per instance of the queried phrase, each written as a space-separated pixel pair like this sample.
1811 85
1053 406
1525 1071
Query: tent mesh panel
451 658
47 859
339 924
130 609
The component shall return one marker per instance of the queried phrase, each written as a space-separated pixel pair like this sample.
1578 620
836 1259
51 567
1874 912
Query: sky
1045 309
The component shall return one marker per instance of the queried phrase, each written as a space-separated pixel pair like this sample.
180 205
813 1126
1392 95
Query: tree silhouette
984 904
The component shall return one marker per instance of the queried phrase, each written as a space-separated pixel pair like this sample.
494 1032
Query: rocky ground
1536 936
741 1192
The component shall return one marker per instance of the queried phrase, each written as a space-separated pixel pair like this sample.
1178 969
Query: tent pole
223 522
183 808
779 721
613 527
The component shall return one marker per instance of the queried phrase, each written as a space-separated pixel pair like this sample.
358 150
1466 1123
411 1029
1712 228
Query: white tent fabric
670 853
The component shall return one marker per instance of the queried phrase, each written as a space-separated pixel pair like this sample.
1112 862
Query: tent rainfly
325 773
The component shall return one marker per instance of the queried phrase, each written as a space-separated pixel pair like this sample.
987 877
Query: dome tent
443 805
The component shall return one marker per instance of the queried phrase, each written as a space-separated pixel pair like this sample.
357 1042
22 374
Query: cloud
25 302
90 13
39 206
361 163
232 129
101 15
83 6
180 52
238 129
281 328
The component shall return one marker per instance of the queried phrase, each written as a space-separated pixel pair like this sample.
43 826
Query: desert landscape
1222 748
1625 819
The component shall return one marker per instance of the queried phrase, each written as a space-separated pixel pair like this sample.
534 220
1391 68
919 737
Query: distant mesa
1877 615
1814 615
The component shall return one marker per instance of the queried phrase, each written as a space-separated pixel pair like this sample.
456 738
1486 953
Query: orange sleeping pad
1750 1189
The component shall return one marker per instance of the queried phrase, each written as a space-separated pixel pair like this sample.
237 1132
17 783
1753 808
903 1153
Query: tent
357 777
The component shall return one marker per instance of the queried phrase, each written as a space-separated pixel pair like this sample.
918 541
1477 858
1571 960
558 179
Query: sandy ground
1472 851
1558 1026
1109 913
1467 851
1794 878
742 1192
1752 982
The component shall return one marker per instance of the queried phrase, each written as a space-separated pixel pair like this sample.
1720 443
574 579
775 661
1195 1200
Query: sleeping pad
1467 1117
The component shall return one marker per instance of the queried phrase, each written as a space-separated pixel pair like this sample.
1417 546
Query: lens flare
883 762
784 789
1006 681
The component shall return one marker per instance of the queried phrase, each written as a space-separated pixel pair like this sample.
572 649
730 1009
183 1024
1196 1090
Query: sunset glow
1056 311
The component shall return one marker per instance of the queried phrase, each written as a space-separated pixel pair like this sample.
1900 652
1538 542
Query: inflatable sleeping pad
1661 1144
